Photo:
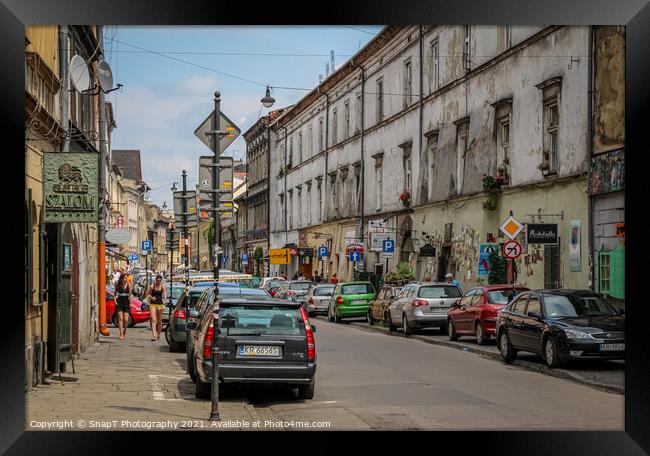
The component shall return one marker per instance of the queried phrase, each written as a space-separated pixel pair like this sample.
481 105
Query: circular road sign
512 250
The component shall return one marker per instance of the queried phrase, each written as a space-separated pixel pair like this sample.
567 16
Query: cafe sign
70 187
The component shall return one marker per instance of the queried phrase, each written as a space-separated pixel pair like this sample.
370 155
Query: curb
540 368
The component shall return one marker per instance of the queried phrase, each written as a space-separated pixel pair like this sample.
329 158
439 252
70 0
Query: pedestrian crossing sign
511 227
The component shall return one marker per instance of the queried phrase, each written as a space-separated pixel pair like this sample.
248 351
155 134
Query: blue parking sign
322 252
388 246
146 245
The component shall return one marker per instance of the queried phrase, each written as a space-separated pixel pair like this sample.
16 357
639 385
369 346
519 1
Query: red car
137 314
475 314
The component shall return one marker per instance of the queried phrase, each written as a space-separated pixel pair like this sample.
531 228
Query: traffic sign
225 183
202 132
512 250
279 256
192 218
355 256
388 246
322 252
244 259
133 257
146 246
511 227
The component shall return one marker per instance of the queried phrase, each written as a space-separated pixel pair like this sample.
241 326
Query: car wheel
551 355
173 345
337 319
505 347
168 334
370 318
480 334
202 390
389 323
451 330
406 328
307 391
116 323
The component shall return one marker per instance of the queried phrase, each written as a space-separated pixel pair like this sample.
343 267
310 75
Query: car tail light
207 342
272 293
180 313
420 302
311 344
339 300
310 300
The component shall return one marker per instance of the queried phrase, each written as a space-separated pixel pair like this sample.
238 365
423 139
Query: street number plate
358 301
259 351
612 347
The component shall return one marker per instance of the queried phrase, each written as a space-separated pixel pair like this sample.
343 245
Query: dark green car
350 299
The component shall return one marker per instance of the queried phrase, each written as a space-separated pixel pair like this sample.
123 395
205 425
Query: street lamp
268 100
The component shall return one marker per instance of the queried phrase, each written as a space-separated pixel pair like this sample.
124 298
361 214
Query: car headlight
574 334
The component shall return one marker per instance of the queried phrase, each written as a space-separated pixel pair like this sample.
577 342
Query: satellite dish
105 75
79 74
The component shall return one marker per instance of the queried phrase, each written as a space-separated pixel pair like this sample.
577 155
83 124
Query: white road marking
158 393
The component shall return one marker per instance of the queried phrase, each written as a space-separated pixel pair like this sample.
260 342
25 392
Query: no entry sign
512 250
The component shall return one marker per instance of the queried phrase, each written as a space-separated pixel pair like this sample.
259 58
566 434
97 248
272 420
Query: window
534 305
359 107
320 201
379 176
357 288
504 38
604 277
432 148
300 148
334 126
321 135
290 163
466 55
406 163
519 305
462 128
434 69
310 143
299 201
380 100
347 120
290 209
408 83
439 292
551 120
551 130
503 113
309 204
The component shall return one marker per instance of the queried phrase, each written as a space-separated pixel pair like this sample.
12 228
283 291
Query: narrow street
365 380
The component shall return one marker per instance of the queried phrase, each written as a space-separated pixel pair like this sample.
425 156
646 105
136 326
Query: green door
59 279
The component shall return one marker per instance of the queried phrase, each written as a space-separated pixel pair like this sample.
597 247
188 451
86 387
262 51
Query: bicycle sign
512 250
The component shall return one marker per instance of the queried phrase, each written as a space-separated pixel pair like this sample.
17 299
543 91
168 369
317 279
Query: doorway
443 263
552 266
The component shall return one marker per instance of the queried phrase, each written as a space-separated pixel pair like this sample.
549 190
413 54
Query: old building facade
398 141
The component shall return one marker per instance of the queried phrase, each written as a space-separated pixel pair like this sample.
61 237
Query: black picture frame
635 14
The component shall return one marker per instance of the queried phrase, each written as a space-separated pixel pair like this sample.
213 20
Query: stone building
398 143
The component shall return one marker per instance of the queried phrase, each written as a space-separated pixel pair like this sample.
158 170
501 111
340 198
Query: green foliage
498 269
403 274
492 187
257 257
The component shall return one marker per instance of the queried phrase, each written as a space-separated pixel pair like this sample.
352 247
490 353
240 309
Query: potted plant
405 198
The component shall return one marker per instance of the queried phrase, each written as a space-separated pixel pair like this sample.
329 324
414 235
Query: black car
175 333
561 325
260 341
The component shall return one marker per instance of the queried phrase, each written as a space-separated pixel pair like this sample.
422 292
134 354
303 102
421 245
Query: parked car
295 290
267 341
475 314
175 334
422 305
271 284
195 314
177 290
561 325
136 316
318 298
350 299
378 308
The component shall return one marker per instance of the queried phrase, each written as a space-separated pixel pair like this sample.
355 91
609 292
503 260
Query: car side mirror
191 325
535 315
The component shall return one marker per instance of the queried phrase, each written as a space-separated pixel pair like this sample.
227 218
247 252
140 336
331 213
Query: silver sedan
318 299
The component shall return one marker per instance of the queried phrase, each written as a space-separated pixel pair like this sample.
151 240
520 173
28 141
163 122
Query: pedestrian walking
334 280
317 278
123 304
450 279
295 276
156 307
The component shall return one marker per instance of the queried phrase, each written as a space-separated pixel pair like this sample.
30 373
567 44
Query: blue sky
163 100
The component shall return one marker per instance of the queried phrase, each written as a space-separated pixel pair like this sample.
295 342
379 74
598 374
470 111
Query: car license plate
612 347
438 309
259 351
359 301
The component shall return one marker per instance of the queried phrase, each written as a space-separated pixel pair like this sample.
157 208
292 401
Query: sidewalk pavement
602 375
134 384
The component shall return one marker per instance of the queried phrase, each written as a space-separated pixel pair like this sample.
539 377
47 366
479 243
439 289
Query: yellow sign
279 256
511 227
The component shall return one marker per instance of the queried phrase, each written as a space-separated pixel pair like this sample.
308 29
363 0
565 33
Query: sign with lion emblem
70 188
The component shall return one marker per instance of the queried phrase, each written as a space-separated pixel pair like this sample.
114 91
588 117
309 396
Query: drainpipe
590 152
363 173
327 134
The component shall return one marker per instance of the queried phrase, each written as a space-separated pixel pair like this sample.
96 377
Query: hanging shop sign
541 233
70 187
575 259
279 256
427 250
118 236
305 252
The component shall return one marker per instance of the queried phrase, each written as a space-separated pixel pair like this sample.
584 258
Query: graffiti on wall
607 173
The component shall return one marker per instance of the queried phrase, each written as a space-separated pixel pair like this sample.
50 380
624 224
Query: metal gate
552 266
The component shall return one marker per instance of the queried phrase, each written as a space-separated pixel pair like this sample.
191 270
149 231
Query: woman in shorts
156 307
123 304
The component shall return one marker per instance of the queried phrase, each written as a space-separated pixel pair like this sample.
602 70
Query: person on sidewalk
156 307
317 278
123 304
334 280
450 279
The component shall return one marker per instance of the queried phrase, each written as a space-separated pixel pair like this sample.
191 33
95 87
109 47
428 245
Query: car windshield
323 291
262 320
557 306
503 296
275 283
300 286
439 292
357 288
